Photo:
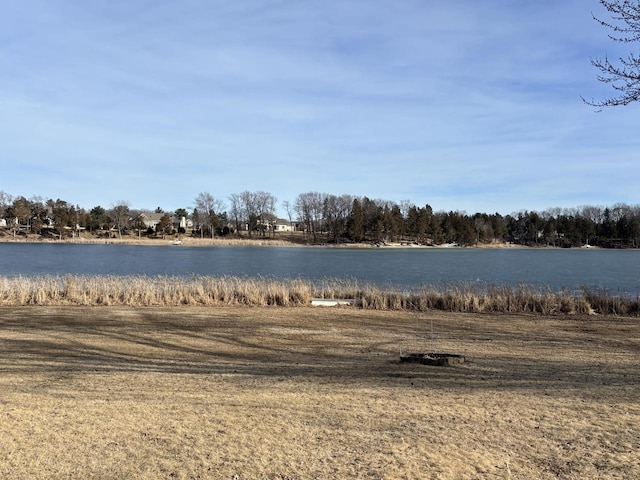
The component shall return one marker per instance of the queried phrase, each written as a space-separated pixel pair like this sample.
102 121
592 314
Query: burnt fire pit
437 359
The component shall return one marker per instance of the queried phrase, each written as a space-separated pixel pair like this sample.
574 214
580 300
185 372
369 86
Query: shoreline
258 242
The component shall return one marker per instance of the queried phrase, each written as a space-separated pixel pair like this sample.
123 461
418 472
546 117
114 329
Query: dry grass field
313 393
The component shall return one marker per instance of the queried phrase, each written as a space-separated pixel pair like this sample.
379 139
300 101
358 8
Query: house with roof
152 219
281 225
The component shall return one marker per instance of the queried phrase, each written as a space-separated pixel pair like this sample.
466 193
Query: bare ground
309 393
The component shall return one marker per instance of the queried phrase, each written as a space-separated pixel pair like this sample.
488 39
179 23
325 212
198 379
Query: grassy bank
311 393
144 291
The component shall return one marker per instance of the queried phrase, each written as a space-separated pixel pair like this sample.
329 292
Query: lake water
614 270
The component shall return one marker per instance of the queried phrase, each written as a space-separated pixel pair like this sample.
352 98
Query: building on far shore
152 219
281 225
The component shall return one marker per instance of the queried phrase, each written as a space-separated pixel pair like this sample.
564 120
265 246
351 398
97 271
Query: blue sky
464 105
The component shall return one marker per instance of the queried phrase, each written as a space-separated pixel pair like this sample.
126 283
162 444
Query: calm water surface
614 270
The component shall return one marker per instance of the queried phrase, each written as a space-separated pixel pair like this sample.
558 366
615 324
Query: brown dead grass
170 291
309 393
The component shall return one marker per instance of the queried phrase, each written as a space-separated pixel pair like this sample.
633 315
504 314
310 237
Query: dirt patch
236 392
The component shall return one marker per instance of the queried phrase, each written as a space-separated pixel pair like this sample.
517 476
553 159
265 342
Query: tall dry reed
142 291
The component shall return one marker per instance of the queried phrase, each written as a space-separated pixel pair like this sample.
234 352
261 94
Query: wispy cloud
462 105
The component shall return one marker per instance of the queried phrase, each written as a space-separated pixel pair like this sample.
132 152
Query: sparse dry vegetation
314 393
144 291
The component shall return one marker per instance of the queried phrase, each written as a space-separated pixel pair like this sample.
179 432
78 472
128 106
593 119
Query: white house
281 225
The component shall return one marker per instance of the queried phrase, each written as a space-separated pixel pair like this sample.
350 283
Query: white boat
586 245
175 242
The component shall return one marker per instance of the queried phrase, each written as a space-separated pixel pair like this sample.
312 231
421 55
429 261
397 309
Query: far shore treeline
315 217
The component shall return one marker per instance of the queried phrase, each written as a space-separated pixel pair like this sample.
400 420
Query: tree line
328 218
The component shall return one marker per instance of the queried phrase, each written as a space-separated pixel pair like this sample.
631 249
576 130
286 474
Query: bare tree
257 209
289 209
595 214
310 209
624 75
266 210
120 216
405 206
235 210
249 210
208 210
